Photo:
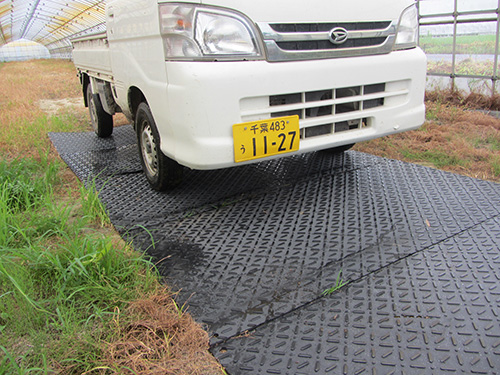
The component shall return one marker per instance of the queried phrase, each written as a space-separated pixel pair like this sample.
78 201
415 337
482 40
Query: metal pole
495 59
454 51
419 18
29 18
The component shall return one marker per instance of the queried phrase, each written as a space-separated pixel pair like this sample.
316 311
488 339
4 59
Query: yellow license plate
258 139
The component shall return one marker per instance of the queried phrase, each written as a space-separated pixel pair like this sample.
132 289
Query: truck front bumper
338 101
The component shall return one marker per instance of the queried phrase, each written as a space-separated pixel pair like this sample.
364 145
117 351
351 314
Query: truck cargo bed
91 55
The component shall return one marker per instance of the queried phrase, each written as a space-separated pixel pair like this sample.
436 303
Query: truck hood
316 10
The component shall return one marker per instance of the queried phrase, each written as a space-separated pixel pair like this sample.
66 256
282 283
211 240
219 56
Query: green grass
8 365
495 165
439 159
338 284
490 142
465 44
61 283
32 135
92 205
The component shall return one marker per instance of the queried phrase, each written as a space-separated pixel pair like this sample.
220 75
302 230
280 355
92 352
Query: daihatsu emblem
338 35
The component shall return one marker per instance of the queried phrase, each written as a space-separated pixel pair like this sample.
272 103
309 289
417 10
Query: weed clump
22 185
472 100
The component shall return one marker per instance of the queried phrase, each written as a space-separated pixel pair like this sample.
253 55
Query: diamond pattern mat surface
253 248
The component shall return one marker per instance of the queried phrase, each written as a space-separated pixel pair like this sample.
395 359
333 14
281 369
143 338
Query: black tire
161 172
339 149
101 121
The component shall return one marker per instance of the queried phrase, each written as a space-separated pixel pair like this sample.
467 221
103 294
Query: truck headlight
407 29
191 32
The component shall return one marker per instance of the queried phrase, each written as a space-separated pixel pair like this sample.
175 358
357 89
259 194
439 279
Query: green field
466 44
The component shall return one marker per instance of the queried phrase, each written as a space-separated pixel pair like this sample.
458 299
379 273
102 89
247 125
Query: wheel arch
85 81
135 97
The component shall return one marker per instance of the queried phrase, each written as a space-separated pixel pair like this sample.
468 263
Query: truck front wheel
101 121
161 172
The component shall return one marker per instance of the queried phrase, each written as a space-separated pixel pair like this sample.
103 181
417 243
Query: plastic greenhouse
23 49
38 27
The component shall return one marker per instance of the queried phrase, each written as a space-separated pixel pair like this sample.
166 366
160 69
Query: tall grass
92 205
67 281
60 285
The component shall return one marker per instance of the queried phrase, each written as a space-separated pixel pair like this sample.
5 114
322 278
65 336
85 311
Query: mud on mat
252 249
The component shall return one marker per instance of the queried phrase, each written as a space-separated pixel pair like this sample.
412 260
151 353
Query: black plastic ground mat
253 248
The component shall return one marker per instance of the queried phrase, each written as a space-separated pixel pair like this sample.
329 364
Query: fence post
495 59
454 48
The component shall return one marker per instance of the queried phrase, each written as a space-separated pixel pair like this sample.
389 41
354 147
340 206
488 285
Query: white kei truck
211 84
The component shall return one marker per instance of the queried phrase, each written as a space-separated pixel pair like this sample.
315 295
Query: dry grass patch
454 138
463 100
25 124
37 97
162 339
24 84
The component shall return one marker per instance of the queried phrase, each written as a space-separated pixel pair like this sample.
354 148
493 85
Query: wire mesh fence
460 39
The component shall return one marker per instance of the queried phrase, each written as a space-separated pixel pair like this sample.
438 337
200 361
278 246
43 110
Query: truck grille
325 44
304 41
326 112
315 27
